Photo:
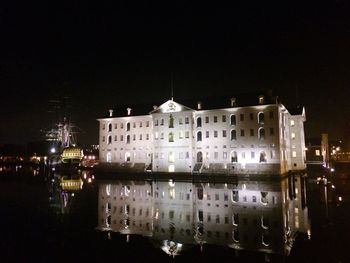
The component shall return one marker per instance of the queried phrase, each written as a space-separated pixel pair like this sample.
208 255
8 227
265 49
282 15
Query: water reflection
254 215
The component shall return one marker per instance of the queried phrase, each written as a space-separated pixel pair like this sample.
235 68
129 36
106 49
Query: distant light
333 186
332 169
53 150
89 180
340 198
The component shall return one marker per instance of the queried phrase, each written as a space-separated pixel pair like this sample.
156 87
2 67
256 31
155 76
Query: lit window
252 155
317 152
292 123
293 135
181 134
156 136
294 154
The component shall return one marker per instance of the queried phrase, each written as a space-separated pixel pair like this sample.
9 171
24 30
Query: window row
233 119
233 134
234 156
128 125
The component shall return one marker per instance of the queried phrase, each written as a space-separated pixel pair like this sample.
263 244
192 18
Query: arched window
199 122
128 126
262 158
128 138
261 134
265 239
171 137
261 118
233 119
233 135
263 198
235 235
199 136
171 121
199 157
127 157
109 139
265 222
110 127
234 158
235 196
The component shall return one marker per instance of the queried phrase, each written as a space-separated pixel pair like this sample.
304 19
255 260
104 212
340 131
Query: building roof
207 103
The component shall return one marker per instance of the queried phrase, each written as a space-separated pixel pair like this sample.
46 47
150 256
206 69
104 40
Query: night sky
103 55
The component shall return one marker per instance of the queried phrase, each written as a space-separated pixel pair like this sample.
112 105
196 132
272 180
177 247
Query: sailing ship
62 135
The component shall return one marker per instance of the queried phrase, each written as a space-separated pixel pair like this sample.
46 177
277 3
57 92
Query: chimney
155 107
233 101
129 111
261 99
110 113
199 105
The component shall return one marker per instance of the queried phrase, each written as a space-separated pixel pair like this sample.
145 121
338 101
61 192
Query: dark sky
104 55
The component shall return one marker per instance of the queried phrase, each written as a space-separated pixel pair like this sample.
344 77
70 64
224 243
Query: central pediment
170 106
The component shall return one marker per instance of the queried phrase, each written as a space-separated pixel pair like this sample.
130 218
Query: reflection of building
261 216
126 207
239 136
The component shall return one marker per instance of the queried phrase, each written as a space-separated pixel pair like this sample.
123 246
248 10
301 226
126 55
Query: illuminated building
256 136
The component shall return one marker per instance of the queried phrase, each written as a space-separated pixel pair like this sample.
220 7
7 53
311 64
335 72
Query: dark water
295 219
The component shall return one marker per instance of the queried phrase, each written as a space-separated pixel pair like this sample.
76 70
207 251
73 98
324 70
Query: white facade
264 138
